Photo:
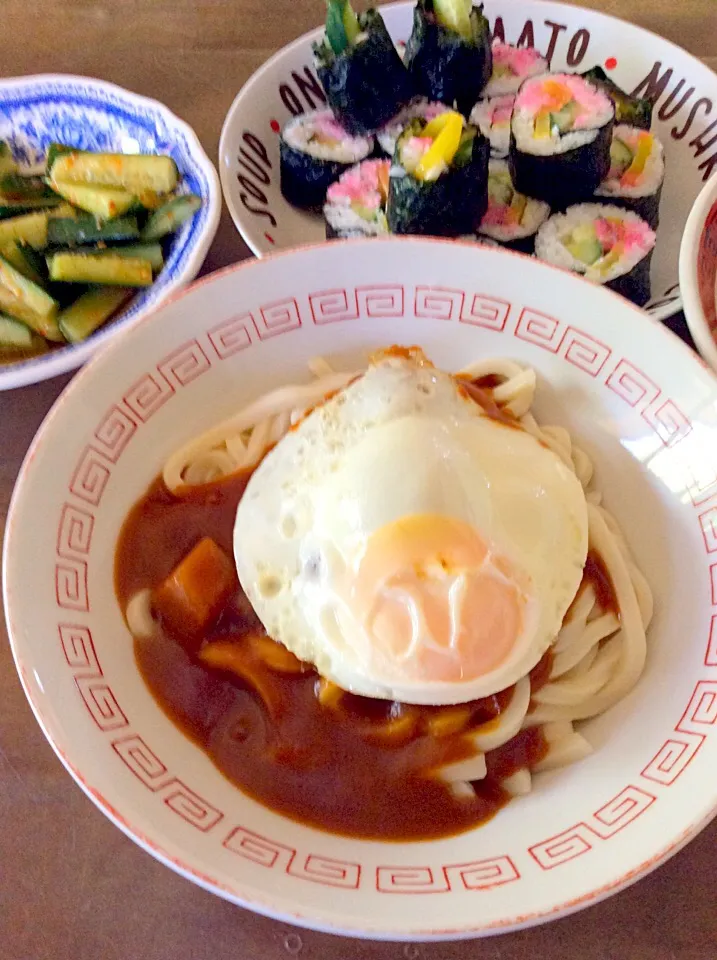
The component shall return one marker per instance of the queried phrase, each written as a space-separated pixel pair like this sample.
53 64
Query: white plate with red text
644 408
573 39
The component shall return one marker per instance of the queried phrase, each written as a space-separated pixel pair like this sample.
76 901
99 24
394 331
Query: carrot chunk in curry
196 591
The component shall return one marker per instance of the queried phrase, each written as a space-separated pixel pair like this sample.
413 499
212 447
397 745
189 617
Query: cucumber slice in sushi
445 64
637 173
511 219
314 151
606 244
365 80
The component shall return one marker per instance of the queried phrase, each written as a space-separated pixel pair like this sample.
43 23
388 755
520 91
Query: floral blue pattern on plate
93 115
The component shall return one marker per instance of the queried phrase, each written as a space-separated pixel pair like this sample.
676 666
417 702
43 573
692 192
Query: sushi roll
606 244
634 111
560 138
423 109
360 69
314 151
449 53
438 182
511 67
356 204
492 117
637 172
511 218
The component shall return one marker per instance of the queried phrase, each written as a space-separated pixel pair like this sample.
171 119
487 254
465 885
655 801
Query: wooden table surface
72 887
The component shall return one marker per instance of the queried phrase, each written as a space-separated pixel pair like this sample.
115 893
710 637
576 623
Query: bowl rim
70 357
263 905
689 253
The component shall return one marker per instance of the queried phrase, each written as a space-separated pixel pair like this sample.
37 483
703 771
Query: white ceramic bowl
93 115
575 39
698 272
644 407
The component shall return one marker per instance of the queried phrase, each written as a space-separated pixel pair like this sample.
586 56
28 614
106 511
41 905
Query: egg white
403 440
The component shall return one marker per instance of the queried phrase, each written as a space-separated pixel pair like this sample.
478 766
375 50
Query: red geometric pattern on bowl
147 395
190 361
479 875
707 270
610 819
315 868
577 347
97 696
476 309
276 318
114 432
75 533
149 770
231 336
637 390
185 364
90 477
376 302
711 654
673 758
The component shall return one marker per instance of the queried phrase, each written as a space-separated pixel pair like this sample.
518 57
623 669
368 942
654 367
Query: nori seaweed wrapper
451 206
519 245
635 111
562 179
367 84
305 179
443 65
635 285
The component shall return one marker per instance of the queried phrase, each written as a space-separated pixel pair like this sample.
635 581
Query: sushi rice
356 204
492 117
510 217
422 109
511 67
318 134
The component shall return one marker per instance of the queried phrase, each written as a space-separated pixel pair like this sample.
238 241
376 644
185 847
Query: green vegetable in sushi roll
449 52
637 172
511 219
635 111
439 179
361 71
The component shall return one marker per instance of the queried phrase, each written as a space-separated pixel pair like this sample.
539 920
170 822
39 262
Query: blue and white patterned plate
93 115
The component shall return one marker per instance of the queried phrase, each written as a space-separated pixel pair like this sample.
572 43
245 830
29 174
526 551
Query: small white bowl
93 115
698 272
645 410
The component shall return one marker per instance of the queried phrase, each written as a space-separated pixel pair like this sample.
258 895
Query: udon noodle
599 653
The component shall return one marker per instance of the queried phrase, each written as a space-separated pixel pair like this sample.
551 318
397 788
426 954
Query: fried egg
408 543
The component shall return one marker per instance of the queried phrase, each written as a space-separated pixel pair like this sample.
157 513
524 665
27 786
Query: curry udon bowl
639 403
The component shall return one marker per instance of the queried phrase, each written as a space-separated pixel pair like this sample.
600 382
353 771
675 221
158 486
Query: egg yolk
434 601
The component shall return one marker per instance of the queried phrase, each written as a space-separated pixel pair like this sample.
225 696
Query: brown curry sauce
331 768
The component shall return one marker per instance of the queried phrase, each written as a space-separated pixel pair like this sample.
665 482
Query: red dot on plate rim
610 63
269 238
275 126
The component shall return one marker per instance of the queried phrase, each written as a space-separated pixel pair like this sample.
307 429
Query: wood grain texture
72 887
